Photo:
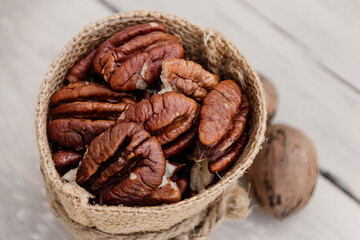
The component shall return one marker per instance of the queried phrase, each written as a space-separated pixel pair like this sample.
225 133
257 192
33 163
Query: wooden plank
330 31
323 218
32 33
311 98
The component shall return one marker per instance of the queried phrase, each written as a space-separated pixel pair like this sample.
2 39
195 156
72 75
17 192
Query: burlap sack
205 46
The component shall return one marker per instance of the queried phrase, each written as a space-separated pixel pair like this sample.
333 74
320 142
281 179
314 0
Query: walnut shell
271 97
284 173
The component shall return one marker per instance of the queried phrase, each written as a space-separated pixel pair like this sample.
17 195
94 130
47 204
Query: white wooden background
310 49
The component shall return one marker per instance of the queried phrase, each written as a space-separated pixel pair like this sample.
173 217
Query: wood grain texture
310 98
322 218
32 33
325 29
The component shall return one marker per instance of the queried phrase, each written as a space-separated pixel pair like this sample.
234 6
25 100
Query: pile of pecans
138 125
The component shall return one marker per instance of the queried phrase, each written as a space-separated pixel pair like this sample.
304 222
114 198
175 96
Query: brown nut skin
229 157
180 144
233 133
188 77
118 39
165 116
89 100
80 71
133 47
182 184
105 146
87 91
66 158
76 133
168 192
96 105
91 110
284 173
144 179
220 106
140 71
271 97
131 59
225 151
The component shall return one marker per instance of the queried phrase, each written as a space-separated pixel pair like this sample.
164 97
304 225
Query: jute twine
233 204
71 202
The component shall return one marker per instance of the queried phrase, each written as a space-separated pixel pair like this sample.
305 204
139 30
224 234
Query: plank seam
109 6
302 45
335 181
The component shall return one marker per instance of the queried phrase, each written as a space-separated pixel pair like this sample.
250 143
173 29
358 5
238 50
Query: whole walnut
284 173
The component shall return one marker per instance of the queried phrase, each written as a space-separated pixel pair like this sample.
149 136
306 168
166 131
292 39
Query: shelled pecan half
131 59
126 165
188 77
83 110
222 122
167 116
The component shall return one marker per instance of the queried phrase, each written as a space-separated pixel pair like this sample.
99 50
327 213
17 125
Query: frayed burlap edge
207 47
233 204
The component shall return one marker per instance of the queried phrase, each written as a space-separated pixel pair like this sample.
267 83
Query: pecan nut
91 110
166 116
220 105
230 156
82 68
123 165
118 39
76 133
131 59
182 184
167 192
222 143
87 91
83 110
188 77
65 158
181 143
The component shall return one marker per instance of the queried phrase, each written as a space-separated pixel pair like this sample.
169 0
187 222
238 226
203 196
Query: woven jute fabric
208 47
232 204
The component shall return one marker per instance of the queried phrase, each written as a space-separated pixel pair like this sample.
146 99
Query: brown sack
207 47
